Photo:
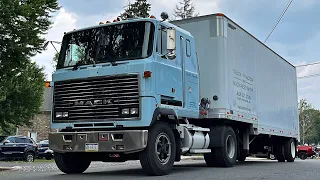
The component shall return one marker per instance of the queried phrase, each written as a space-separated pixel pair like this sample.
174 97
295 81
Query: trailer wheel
159 155
226 155
278 151
71 163
290 150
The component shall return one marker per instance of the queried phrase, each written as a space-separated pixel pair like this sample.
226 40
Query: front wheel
159 155
71 163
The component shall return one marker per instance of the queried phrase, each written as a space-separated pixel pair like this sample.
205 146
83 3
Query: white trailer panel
253 83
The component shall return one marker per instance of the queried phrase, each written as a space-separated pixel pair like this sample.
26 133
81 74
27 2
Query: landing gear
159 155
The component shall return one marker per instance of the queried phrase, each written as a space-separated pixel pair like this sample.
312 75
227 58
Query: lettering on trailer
243 90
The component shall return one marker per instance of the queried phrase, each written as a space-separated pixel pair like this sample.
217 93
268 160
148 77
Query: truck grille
99 98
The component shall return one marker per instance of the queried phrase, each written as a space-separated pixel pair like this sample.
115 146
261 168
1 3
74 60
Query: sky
296 38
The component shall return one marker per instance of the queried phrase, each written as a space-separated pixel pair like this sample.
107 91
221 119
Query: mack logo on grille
93 102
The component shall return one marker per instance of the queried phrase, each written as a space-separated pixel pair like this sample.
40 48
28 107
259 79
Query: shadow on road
178 168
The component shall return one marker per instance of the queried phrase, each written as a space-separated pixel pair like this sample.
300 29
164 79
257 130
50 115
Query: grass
35 161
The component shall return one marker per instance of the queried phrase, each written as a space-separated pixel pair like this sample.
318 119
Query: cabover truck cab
151 90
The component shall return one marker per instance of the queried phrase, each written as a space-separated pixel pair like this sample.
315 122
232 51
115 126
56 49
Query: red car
305 151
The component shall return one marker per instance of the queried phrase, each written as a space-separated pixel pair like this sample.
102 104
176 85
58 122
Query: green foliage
55 60
22 26
139 8
8 131
185 10
309 122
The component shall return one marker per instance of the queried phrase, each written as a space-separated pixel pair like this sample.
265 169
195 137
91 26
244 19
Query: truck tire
303 155
71 163
158 157
290 150
242 158
226 155
278 151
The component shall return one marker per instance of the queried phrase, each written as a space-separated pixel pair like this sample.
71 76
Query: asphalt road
188 169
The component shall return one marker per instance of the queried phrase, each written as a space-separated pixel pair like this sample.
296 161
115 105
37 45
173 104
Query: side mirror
171 43
6 141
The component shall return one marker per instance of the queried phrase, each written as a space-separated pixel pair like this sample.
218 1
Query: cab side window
188 48
162 41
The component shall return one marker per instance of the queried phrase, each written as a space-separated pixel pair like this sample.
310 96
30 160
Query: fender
164 115
216 138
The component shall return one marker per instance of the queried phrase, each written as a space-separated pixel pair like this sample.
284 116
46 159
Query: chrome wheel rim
293 150
230 147
163 148
30 158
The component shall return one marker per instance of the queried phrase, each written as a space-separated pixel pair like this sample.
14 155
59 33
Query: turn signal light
47 84
147 74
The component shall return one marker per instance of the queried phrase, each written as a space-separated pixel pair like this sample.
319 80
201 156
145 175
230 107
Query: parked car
44 151
18 147
305 151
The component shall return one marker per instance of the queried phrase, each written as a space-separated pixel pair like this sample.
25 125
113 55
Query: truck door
183 70
169 75
189 80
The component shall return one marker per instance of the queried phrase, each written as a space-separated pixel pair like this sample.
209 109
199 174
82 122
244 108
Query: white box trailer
250 82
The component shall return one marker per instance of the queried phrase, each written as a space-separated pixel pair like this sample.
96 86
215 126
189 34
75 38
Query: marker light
152 16
147 74
115 20
108 22
100 23
48 84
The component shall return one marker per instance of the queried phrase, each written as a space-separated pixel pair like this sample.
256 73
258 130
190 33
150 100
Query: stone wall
40 125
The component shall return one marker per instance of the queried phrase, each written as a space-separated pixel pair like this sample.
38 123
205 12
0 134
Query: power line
308 64
282 14
309 76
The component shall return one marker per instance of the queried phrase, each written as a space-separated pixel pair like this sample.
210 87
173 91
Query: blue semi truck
151 90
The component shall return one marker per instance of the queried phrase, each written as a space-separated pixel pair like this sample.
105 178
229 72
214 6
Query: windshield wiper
80 62
109 59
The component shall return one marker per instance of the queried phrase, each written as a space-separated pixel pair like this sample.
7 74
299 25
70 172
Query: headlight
58 114
134 111
125 111
65 114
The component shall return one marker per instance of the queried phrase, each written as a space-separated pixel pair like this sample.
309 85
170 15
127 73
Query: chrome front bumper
127 141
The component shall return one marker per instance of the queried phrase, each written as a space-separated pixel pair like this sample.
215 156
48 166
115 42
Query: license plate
91 147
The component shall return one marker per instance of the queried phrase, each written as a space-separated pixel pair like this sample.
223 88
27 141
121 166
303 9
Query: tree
55 60
22 26
186 10
308 117
139 8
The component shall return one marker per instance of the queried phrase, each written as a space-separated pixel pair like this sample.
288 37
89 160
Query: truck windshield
127 41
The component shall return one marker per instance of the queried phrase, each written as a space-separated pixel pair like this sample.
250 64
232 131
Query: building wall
40 127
